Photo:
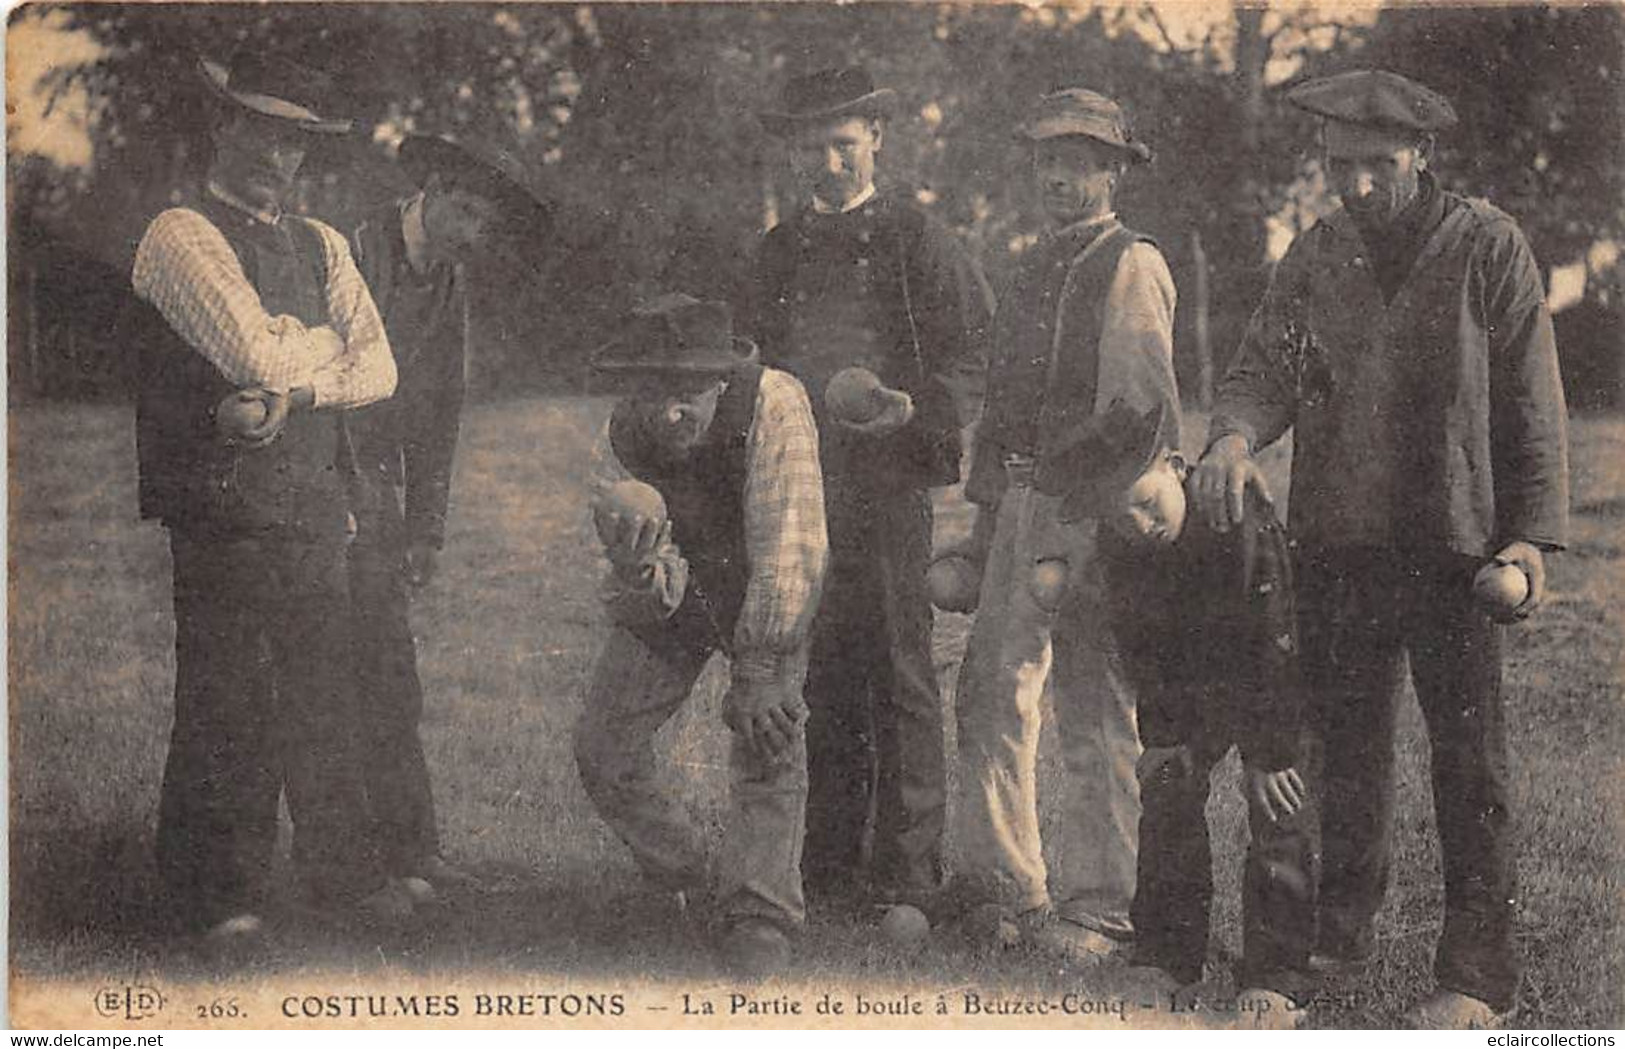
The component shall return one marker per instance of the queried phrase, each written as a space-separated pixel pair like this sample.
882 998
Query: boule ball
905 925
953 583
1049 584
855 395
625 500
1501 588
240 414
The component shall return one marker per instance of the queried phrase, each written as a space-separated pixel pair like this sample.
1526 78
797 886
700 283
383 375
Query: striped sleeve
365 372
785 540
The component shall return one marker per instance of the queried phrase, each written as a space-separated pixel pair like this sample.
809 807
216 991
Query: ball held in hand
1500 589
953 583
855 395
239 415
625 501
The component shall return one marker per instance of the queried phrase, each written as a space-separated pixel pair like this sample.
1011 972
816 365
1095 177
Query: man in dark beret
859 277
1405 340
413 254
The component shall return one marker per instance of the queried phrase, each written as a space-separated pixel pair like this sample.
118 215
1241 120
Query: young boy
1205 627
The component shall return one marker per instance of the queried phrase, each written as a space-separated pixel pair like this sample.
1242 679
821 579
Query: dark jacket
883 287
410 440
190 477
1207 630
1432 422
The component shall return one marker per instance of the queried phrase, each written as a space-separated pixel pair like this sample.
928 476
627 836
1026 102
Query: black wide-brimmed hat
1110 452
276 87
1375 98
1079 111
677 335
483 168
827 95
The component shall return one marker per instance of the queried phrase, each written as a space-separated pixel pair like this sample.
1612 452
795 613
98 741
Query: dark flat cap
1079 111
1375 98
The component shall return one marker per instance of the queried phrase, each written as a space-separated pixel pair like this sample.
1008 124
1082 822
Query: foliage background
640 122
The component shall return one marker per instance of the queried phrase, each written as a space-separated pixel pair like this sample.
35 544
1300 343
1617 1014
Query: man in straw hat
858 277
268 333
728 557
1086 323
413 254
1405 340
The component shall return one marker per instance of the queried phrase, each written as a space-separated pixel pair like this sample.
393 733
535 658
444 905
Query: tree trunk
1199 327
1252 55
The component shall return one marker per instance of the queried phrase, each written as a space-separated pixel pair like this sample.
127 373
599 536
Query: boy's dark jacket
1207 629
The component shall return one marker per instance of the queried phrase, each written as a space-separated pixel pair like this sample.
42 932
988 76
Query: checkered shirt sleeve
188 271
785 540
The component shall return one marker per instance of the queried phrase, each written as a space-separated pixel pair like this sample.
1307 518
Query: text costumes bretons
763 494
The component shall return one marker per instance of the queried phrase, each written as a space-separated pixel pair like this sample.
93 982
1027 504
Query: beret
1375 98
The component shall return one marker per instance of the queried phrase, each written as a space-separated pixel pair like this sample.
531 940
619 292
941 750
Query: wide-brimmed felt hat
1079 111
1111 451
487 169
1375 98
677 335
827 95
277 87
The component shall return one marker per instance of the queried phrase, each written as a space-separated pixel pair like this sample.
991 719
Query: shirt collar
230 199
824 208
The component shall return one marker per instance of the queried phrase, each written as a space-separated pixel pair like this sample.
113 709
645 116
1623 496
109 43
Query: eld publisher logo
131 1002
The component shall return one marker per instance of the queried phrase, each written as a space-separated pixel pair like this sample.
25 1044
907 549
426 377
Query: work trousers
391 695
1173 900
634 691
1363 615
876 742
1009 659
264 702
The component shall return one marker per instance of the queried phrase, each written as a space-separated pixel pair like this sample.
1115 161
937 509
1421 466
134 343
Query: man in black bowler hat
414 254
1406 342
267 335
859 277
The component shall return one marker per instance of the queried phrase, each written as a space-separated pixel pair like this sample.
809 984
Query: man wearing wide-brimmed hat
470 199
859 277
1087 322
267 334
1405 341
728 557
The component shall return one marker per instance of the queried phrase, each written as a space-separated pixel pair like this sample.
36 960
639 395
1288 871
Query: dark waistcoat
1046 367
190 478
705 500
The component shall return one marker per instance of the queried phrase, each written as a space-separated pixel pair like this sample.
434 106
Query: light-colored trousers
998 699
634 692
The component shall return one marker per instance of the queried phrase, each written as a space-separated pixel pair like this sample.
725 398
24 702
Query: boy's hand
1279 794
251 417
1163 764
765 716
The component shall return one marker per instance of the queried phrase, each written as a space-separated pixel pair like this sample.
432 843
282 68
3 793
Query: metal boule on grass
905 925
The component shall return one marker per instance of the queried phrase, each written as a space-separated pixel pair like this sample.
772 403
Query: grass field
507 637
